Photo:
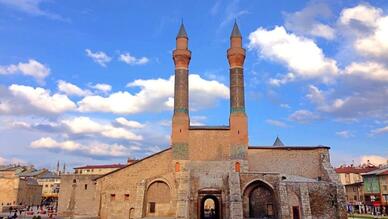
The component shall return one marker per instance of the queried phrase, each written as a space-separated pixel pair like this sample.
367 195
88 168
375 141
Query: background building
17 188
376 190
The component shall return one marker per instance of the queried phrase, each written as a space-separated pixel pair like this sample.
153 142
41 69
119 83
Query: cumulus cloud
305 21
84 125
368 30
99 57
40 99
276 123
300 55
128 123
132 60
368 70
71 89
155 95
303 116
102 87
31 68
370 102
93 149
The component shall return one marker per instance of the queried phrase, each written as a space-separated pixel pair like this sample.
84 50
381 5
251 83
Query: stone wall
134 181
29 194
77 196
292 162
9 189
209 144
14 190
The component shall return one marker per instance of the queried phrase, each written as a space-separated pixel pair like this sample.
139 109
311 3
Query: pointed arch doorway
209 204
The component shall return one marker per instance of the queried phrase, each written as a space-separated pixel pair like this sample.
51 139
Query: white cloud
155 95
344 134
95 148
374 159
128 123
99 57
376 44
102 87
71 89
31 68
368 28
378 131
369 101
368 70
364 14
32 7
84 125
41 99
276 123
305 21
300 55
303 116
323 30
132 60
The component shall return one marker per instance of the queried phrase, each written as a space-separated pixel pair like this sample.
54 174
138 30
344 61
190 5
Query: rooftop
354 169
217 127
101 166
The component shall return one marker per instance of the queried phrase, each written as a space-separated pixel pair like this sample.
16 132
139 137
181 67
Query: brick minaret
238 119
180 120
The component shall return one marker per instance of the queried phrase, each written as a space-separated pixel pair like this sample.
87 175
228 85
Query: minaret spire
236 31
238 119
182 31
180 120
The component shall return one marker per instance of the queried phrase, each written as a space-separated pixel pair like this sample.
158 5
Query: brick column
305 200
283 201
140 193
235 200
183 193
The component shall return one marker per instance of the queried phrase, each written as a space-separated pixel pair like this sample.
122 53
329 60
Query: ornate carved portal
209 204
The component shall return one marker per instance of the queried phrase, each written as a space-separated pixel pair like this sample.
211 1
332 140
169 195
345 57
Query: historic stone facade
212 172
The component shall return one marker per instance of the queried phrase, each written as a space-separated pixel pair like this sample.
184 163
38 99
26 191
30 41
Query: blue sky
89 82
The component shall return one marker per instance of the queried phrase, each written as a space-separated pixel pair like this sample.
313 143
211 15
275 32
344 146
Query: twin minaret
181 121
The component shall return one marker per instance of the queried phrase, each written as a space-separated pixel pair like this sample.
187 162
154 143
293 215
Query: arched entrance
259 201
210 207
158 200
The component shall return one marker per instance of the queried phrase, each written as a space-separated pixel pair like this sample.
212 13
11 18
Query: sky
91 82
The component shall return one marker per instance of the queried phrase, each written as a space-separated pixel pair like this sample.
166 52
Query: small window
237 167
126 197
74 181
46 186
86 186
355 198
152 207
112 197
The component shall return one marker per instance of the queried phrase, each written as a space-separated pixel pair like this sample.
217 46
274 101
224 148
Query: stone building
213 172
376 190
16 189
97 169
351 178
50 183
77 194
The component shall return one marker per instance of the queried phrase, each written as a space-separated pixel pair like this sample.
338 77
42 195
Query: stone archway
259 201
209 207
158 200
